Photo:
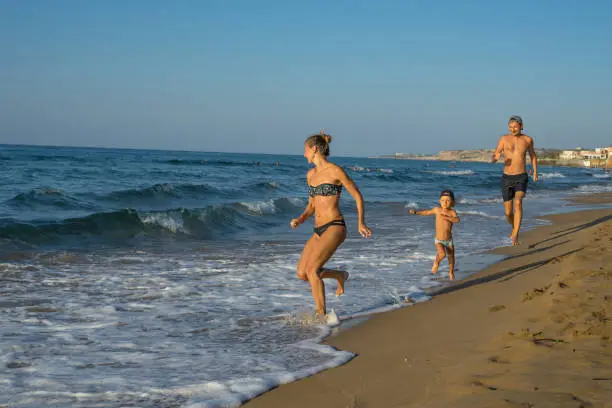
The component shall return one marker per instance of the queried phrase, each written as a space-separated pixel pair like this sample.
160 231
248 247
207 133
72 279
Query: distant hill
545 156
484 155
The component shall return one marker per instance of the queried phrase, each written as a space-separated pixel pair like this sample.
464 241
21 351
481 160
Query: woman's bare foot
514 239
434 268
344 277
451 276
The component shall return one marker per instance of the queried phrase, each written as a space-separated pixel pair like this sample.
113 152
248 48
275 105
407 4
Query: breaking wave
129 224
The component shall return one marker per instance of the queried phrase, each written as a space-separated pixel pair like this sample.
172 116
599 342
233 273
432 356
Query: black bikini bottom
320 230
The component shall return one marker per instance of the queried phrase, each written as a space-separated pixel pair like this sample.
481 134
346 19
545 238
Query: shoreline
399 353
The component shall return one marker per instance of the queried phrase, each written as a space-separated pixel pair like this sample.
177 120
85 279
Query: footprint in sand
478 383
495 359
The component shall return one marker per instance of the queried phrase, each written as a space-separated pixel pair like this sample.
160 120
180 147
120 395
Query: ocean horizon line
408 155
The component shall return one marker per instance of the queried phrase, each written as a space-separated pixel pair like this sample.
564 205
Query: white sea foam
551 175
233 393
469 201
493 200
479 213
170 221
371 169
156 293
454 172
261 207
297 201
594 189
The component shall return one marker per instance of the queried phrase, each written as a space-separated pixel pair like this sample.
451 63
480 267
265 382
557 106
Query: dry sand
530 331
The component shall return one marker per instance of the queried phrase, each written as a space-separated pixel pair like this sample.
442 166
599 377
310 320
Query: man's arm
534 159
498 150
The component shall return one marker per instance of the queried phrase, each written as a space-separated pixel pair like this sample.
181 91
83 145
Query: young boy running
445 218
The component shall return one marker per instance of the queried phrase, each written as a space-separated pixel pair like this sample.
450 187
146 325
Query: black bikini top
325 189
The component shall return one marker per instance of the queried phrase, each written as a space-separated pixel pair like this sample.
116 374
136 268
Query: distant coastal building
569 155
593 154
597 157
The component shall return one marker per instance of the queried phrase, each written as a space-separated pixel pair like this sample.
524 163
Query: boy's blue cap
448 193
516 118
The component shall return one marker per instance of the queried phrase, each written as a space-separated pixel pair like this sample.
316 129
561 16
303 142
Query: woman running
325 183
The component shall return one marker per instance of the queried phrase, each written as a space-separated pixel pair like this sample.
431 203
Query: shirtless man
514 146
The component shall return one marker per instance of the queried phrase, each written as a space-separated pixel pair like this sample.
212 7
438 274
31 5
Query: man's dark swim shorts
510 184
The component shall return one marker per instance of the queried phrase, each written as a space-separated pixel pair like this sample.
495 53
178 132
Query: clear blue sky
260 76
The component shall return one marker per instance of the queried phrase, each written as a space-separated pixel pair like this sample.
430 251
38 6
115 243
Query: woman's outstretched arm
351 187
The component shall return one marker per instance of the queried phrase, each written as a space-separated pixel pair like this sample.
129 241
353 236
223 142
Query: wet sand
603 198
530 331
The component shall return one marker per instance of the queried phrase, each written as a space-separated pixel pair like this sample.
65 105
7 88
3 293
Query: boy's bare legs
518 217
440 255
451 262
340 276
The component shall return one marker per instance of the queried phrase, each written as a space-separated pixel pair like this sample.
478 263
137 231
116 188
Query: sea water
168 279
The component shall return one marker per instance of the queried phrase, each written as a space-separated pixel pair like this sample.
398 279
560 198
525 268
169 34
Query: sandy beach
530 331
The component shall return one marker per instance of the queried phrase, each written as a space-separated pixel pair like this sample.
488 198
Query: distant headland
578 157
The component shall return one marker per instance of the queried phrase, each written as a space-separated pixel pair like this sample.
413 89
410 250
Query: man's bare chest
515 146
